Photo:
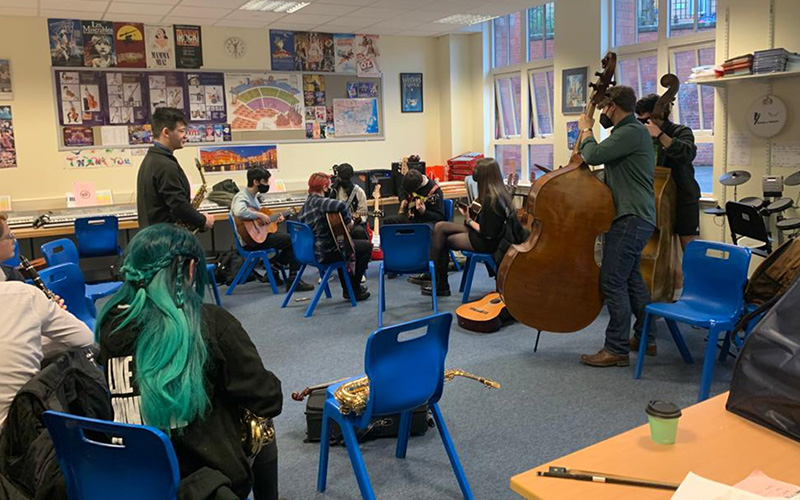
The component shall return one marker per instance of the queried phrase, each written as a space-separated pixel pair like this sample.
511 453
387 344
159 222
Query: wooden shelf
762 78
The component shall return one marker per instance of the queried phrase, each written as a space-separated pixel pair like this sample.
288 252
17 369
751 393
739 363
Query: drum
716 211
779 205
789 224
753 201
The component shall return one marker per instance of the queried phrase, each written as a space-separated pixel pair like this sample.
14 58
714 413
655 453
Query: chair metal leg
468 282
294 285
403 433
356 460
642 346
451 453
381 295
349 286
434 298
239 276
319 291
324 450
708 362
678 338
270 277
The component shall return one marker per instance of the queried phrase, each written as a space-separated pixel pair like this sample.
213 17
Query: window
639 73
704 166
507 40
540 85
541 32
510 159
695 104
508 99
691 16
635 21
539 154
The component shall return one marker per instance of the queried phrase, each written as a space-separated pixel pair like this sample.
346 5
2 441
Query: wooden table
711 442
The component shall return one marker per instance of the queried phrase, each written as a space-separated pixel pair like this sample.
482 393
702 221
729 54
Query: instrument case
380 427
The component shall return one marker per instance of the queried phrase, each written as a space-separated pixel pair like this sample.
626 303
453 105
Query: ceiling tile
397 24
133 18
155 2
348 2
68 14
232 23
417 33
133 8
77 5
243 15
374 30
280 25
219 4
200 21
309 18
14 11
405 4
491 10
343 26
18 4
423 16
328 9
378 12
200 12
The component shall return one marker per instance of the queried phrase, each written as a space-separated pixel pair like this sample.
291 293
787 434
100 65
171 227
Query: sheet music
114 135
739 149
786 154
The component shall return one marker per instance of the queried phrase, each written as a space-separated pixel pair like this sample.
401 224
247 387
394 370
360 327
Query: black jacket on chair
163 193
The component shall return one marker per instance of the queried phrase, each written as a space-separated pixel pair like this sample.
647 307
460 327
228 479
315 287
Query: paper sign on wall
85 194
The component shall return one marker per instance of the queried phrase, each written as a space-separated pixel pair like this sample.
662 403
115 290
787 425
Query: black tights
447 236
265 473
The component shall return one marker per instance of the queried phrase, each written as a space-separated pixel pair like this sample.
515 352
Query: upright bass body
552 281
657 262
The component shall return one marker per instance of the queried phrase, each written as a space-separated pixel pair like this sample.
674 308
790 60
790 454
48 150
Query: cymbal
792 180
735 178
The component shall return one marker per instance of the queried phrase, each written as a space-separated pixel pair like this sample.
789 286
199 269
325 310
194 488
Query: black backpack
228 264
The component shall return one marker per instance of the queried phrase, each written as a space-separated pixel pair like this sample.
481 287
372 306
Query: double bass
551 281
657 260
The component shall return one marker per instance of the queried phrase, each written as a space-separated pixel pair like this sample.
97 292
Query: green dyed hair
164 308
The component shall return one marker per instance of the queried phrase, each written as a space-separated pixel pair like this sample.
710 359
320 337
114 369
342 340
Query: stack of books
742 65
775 60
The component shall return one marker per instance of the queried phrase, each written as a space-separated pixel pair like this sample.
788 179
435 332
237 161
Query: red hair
318 182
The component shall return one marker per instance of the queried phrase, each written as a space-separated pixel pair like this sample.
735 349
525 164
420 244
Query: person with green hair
185 367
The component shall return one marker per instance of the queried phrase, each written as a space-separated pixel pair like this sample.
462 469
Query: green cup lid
663 409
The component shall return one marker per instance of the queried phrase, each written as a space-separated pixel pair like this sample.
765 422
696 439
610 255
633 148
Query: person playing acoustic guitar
344 189
245 205
423 201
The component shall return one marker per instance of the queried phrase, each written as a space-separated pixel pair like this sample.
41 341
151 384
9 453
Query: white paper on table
761 484
71 200
739 148
114 135
786 154
695 487
105 197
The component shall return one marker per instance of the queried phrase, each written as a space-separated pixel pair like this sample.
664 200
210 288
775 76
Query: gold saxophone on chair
352 396
256 433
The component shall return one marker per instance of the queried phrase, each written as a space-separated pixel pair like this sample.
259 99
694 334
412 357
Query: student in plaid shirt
313 214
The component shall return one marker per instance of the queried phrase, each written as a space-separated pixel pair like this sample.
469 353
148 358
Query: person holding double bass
629 162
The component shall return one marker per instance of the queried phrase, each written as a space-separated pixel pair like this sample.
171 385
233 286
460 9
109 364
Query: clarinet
37 281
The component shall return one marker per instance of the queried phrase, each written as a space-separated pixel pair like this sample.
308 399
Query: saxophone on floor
352 396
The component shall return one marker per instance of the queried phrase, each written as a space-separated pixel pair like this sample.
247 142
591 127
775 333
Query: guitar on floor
254 232
486 315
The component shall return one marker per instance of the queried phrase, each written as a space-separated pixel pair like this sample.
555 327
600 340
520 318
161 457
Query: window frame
517 110
537 137
701 132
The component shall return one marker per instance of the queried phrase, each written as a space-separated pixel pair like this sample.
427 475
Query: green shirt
629 160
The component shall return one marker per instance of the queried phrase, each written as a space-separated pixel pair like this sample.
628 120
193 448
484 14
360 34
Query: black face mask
605 121
263 188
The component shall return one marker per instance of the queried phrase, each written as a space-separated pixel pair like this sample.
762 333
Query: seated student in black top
343 189
185 367
423 203
481 235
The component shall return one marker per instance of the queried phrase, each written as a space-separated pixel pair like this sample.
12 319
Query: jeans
621 280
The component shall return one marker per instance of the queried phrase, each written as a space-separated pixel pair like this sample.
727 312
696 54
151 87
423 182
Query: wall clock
234 47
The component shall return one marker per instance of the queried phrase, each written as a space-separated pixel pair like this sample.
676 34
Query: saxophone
199 196
352 396
256 432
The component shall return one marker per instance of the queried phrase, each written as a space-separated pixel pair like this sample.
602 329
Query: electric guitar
375 234
486 315
255 231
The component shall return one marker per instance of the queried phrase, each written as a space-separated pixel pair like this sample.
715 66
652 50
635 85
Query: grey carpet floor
549 405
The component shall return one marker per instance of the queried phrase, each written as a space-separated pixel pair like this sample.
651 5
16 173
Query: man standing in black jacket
163 191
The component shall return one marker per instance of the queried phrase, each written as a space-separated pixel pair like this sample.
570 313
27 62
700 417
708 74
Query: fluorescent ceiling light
273 6
468 19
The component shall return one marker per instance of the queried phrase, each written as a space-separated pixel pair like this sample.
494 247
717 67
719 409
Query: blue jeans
621 280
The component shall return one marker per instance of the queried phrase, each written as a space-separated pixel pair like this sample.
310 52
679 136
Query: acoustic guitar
254 232
341 235
486 315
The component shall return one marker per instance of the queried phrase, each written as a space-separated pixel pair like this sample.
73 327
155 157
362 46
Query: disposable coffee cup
663 417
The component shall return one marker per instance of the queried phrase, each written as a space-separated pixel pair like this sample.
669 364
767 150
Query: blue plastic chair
402 376
212 282
713 297
13 261
405 250
303 246
66 280
63 251
251 259
448 214
142 466
473 258
97 236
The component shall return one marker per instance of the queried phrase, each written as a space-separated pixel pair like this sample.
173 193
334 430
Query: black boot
302 286
361 293
420 279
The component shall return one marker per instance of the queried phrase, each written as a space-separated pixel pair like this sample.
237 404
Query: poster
355 117
345 53
314 90
140 134
228 158
410 93
188 47
206 97
367 89
95 158
301 51
79 99
66 42
572 134
8 147
352 89
78 135
367 55
166 89
264 101
281 50
129 42
195 132
99 50
6 90
160 49
125 98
